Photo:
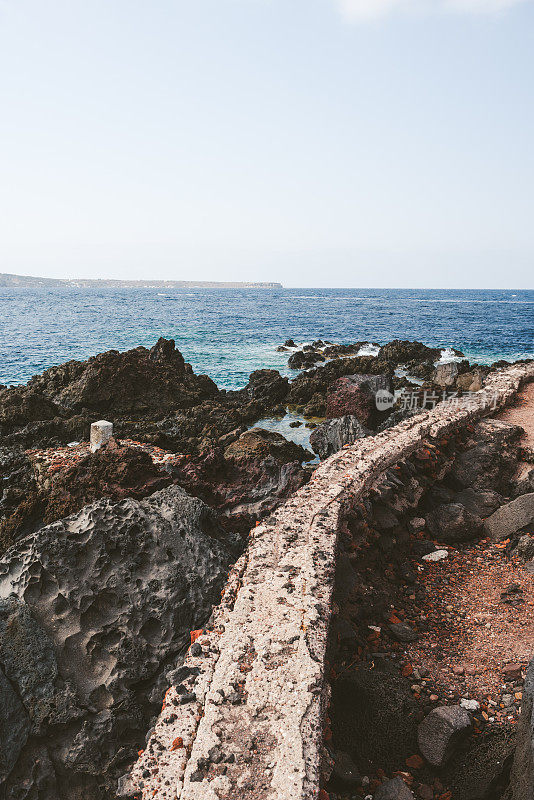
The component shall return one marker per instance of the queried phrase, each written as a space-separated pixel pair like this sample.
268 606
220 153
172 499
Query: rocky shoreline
110 560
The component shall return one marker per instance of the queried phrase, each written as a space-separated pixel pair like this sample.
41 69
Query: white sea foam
369 350
447 356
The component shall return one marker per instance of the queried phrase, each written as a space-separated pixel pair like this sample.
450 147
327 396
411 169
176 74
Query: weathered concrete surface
101 433
249 724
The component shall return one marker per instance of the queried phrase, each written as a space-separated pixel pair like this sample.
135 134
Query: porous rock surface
252 725
94 611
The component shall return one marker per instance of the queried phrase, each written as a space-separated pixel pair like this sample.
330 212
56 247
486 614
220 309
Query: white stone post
101 433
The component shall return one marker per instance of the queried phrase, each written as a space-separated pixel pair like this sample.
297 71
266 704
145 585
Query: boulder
100 607
490 459
511 517
471 381
481 503
355 395
394 789
267 386
330 436
525 547
441 732
452 522
135 383
402 351
381 704
445 374
345 773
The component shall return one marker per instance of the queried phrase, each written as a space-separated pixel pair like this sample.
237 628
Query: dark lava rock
304 359
511 517
138 382
394 789
289 343
113 471
267 386
402 351
402 632
521 786
374 718
355 395
482 772
100 607
441 732
248 479
330 436
18 483
345 774
489 462
317 381
525 547
452 522
481 503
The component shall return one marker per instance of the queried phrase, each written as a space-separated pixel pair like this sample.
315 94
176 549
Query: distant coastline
26 281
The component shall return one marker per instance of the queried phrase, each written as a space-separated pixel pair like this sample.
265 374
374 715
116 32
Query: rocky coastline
109 560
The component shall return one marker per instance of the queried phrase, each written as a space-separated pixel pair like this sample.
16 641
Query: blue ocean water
228 333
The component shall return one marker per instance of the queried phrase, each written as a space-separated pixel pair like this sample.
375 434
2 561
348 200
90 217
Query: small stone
469 705
394 789
402 632
346 771
512 672
437 555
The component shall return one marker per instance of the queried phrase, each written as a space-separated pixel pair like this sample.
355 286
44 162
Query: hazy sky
313 142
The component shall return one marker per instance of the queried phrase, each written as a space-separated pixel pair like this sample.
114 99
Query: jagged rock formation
95 611
113 471
248 479
330 436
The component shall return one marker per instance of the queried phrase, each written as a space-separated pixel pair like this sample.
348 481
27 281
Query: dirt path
522 413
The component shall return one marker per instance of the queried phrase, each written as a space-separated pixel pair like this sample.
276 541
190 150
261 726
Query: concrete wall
246 722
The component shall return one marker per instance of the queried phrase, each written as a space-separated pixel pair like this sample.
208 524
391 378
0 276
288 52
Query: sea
228 333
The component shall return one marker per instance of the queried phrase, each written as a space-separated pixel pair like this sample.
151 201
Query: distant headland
27 281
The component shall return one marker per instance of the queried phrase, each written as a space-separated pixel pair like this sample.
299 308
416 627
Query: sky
350 143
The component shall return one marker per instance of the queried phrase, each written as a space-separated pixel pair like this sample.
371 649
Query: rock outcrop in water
95 611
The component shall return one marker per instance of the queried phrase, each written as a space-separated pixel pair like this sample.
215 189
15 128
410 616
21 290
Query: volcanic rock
248 479
511 517
440 733
355 395
452 522
394 789
445 374
491 459
100 607
113 471
330 436
137 382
